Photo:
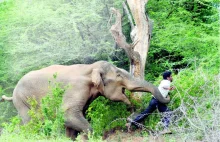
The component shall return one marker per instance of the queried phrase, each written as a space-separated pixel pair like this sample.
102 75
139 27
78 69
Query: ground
140 136
134 136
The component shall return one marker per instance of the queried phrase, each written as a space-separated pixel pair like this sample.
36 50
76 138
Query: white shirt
164 84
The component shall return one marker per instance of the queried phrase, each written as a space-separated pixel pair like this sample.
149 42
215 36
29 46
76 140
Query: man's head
167 75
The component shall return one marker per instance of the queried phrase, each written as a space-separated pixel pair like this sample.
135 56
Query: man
164 88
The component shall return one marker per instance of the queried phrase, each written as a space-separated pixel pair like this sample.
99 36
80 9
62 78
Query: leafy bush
14 125
105 115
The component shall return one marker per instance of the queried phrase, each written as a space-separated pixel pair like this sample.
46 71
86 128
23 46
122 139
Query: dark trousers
154 104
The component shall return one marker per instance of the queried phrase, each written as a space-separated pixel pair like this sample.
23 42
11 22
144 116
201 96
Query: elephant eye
119 76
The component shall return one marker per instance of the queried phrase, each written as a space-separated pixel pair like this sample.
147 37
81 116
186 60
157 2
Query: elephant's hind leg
22 110
24 115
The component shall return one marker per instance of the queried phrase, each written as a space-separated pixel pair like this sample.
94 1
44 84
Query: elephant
87 81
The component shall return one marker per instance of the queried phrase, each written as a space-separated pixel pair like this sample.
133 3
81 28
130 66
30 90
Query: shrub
105 115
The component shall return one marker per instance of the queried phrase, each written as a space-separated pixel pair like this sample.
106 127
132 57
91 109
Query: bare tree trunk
140 35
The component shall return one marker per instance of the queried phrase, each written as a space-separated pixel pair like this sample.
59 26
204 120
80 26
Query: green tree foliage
183 30
40 33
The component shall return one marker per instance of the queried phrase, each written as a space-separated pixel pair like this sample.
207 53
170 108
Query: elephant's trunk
138 85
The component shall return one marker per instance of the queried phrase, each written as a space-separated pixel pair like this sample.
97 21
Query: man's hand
172 88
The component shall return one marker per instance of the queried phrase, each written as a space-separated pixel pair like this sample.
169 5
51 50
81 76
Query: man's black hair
166 74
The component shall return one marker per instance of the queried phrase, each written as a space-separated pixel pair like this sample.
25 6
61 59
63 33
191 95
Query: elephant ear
97 80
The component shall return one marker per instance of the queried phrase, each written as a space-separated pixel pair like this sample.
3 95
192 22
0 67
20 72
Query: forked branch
116 31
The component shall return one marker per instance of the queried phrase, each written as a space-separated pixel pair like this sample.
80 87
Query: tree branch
129 15
116 31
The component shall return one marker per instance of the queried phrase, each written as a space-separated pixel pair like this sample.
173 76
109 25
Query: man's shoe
166 131
128 125
129 120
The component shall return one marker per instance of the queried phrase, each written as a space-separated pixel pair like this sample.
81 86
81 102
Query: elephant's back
32 84
62 70
35 83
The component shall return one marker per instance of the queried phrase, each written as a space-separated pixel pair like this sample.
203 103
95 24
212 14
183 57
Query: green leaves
102 113
181 34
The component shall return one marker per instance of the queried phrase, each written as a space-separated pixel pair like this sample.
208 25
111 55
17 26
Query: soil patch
134 136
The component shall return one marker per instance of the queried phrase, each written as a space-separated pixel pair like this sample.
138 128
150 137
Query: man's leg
152 106
166 117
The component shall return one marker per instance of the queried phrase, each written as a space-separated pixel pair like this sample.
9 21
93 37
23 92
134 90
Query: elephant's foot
84 137
70 133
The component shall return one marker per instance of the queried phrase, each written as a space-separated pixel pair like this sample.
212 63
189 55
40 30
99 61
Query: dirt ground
136 136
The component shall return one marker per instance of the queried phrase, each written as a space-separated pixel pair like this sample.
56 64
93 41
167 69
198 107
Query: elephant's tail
5 98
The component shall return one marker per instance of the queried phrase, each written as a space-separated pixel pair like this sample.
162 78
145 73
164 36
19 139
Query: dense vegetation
185 39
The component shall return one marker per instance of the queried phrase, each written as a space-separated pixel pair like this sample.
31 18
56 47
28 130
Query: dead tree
140 34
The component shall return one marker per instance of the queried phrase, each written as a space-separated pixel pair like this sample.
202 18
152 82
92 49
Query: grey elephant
87 81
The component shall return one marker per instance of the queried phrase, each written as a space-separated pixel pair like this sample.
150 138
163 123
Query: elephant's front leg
70 133
77 122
